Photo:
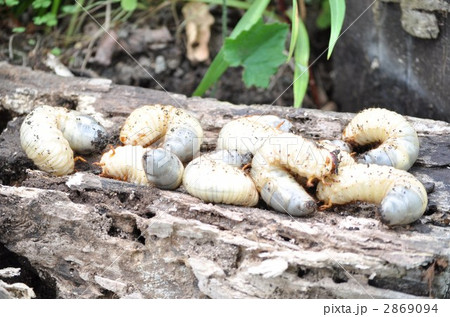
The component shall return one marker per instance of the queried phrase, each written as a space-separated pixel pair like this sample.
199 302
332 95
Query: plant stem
224 20
73 21
55 7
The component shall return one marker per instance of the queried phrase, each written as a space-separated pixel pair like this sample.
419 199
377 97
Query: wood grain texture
96 237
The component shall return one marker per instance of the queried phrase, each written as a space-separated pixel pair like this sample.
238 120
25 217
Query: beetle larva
179 132
50 134
402 197
125 163
163 168
397 139
216 178
286 153
278 188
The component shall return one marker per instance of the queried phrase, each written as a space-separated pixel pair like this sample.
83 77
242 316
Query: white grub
217 178
125 163
273 179
402 197
397 139
177 130
49 135
283 155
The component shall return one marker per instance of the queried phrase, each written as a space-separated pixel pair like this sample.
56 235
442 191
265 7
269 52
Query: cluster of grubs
162 146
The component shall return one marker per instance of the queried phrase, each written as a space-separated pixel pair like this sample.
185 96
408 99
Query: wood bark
93 237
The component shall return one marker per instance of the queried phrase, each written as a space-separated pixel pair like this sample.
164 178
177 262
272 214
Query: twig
10 47
302 7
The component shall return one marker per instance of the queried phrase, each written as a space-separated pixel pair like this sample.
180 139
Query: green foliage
301 58
47 12
48 19
56 51
128 5
259 50
337 10
41 4
219 65
20 29
295 21
324 19
254 48
69 9
9 3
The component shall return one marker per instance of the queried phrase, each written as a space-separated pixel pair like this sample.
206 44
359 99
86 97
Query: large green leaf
219 65
337 8
301 57
259 50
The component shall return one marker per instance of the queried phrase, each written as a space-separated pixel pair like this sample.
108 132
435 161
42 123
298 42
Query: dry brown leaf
198 30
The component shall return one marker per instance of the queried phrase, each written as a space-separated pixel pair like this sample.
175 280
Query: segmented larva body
50 134
177 130
277 186
216 178
281 191
249 133
300 156
125 163
402 197
286 153
399 144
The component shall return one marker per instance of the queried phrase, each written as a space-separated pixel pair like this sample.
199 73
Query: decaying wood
98 237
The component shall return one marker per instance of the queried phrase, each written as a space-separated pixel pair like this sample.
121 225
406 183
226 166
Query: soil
167 61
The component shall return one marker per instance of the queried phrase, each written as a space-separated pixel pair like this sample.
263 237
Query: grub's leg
310 182
79 158
327 182
248 165
329 204
112 149
279 125
99 164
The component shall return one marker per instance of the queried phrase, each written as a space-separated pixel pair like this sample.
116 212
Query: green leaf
56 51
294 34
9 3
19 29
49 19
219 65
69 9
128 5
41 4
259 50
323 21
337 8
301 57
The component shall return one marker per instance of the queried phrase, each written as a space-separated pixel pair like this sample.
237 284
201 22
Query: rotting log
94 237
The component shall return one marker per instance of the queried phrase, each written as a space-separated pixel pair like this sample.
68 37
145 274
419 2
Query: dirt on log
91 237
